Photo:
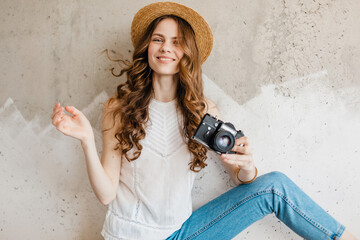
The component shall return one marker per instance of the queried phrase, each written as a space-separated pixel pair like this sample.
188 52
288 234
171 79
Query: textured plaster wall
285 72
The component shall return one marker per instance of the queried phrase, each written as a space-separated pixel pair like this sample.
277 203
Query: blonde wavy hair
136 92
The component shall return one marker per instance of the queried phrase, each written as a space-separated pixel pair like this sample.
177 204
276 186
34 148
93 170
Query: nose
165 47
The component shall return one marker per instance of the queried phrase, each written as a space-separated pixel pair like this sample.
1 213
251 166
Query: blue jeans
229 214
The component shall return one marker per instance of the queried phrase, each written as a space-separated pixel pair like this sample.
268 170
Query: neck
164 87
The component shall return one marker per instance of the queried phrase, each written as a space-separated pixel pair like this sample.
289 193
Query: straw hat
143 18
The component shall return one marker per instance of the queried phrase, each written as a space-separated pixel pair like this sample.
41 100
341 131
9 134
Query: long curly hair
135 93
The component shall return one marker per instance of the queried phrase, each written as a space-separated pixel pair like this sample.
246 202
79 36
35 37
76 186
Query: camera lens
223 141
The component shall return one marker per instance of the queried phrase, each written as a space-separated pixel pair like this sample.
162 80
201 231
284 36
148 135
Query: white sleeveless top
154 194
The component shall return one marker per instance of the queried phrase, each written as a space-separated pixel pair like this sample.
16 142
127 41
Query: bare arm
104 175
247 169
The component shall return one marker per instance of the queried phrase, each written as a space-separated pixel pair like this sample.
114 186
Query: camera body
216 135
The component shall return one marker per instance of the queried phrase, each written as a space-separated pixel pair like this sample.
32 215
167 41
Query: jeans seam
227 212
339 232
302 214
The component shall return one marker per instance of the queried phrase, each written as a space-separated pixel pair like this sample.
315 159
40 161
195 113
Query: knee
278 179
277 175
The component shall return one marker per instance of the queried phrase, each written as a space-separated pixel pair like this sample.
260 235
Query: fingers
57 117
56 111
242 149
56 106
57 114
238 160
72 110
242 146
243 158
242 140
236 157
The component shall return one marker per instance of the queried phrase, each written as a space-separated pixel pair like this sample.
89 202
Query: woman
149 161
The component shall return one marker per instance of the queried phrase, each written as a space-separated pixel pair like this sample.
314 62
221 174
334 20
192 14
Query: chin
165 72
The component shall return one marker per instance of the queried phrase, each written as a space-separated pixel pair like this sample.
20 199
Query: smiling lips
164 59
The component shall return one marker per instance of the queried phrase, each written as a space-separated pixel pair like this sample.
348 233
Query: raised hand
76 126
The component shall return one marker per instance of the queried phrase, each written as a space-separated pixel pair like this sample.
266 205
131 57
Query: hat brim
144 17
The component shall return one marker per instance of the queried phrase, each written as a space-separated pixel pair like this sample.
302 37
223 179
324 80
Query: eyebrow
158 34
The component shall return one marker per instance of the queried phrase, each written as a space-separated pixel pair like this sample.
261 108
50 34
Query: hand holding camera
225 140
217 135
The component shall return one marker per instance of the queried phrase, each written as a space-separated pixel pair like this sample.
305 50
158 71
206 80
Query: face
164 51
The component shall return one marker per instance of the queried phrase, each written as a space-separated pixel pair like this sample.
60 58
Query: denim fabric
229 214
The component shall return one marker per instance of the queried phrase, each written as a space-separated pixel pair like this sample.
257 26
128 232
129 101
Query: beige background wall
285 72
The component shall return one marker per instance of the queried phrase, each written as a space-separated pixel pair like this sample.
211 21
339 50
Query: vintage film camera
216 135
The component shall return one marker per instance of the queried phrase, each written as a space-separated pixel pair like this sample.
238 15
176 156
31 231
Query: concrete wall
285 72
